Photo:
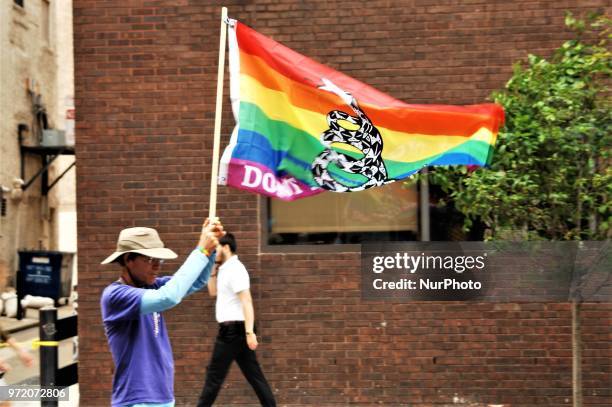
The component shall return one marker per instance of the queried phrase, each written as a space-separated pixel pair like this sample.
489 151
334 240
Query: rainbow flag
303 128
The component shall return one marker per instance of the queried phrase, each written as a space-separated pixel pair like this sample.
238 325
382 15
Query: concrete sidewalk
12 325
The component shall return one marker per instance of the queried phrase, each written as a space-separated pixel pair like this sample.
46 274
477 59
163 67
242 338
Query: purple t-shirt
144 367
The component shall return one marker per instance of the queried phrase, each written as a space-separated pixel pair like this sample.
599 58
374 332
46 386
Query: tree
550 176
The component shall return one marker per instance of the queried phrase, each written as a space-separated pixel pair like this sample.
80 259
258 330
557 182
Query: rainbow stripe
281 113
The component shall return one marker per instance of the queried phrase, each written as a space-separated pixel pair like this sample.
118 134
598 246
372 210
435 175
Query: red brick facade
145 93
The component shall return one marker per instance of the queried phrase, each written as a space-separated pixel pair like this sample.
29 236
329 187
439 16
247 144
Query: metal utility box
53 138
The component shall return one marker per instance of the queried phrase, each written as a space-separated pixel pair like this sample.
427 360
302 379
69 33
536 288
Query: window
19 3
45 26
384 213
389 213
446 222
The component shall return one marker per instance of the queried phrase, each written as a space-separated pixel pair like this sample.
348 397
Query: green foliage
550 176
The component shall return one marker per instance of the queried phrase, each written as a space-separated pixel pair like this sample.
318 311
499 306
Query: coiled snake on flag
366 138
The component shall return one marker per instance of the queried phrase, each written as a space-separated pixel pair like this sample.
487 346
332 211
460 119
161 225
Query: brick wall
145 92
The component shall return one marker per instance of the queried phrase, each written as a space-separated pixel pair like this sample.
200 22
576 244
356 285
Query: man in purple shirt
132 306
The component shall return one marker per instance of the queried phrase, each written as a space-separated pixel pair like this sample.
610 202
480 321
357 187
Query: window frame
266 248
46 14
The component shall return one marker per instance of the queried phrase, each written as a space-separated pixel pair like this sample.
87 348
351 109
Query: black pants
231 345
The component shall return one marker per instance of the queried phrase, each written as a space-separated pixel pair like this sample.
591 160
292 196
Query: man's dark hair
229 240
123 258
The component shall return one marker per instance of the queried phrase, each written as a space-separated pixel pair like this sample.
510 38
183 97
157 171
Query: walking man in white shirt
236 339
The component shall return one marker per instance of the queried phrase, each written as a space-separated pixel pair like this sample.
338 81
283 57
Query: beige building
36 130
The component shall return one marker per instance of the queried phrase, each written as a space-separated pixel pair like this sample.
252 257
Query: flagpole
212 208
424 206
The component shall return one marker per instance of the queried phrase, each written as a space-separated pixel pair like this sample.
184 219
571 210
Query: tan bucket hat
143 241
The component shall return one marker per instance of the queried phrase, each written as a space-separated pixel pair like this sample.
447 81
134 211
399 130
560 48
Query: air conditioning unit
53 138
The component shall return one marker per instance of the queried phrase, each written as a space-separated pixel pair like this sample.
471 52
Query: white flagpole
212 208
